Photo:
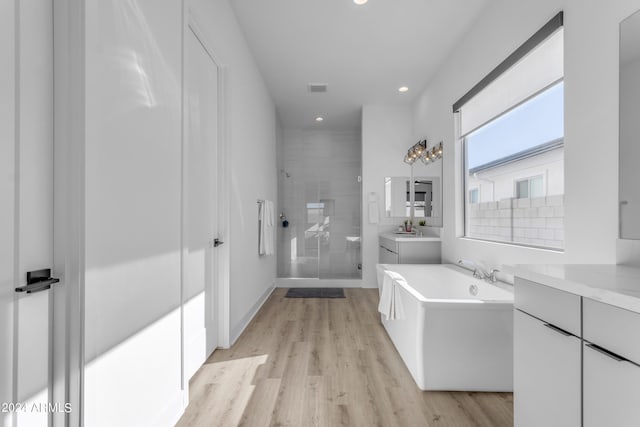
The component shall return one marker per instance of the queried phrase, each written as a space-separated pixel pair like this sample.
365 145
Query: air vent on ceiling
317 87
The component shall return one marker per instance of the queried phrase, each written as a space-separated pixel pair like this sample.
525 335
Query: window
529 188
512 132
473 195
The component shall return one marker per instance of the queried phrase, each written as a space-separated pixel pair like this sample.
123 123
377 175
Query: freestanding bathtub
458 330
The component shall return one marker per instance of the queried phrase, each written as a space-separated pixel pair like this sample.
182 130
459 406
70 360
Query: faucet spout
478 272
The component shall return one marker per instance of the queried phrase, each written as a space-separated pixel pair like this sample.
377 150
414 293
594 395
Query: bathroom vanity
408 249
576 345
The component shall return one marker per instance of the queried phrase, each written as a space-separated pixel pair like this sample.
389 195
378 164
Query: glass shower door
321 198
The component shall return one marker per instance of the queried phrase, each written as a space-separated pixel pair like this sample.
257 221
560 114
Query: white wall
591 121
133 199
386 137
132 212
253 130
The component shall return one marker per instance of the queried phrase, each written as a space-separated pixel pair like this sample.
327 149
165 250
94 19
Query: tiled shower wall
320 194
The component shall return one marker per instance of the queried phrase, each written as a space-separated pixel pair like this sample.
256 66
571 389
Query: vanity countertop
409 238
617 285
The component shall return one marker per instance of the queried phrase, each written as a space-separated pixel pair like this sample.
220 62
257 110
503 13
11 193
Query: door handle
558 330
39 280
217 242
606 352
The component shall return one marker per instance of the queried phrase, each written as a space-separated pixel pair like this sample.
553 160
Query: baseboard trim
288 282
173 411
244 322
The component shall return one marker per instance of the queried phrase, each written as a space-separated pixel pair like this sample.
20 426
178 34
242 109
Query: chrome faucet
478 272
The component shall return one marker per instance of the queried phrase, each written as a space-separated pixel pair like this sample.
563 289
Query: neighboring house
535 172
519 198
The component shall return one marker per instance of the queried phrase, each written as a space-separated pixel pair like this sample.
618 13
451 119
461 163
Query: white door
201 195
26 213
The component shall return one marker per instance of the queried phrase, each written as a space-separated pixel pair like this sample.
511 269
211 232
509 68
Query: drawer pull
606 352
560 331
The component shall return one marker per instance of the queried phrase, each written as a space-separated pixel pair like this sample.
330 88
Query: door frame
222 204
69 208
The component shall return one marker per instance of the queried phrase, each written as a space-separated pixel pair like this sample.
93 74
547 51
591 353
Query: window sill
519 245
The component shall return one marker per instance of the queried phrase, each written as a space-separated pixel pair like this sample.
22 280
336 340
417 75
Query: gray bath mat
315 293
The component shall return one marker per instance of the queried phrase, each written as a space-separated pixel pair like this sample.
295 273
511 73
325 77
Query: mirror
629 174
427 198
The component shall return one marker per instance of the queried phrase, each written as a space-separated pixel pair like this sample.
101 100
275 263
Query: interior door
201 190
26 218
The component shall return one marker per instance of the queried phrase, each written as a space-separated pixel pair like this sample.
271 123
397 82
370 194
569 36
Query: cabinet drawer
385 256
616 329
389 244
559 308
611 390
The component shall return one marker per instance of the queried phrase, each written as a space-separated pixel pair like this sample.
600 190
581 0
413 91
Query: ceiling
364 53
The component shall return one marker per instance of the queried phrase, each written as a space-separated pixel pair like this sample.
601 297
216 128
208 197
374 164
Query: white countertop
410 238
618 285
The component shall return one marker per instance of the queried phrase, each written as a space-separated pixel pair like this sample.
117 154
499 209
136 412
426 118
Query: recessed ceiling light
360 2
403 89
319 119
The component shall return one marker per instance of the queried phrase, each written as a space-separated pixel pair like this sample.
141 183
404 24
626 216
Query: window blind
536 65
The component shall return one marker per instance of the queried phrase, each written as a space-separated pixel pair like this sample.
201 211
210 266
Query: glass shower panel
321 198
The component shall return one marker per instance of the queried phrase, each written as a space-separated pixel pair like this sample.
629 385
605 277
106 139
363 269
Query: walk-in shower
320 196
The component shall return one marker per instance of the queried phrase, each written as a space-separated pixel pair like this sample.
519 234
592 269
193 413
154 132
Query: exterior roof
530 152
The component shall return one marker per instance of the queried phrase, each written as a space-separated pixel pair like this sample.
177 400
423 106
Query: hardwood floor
325 362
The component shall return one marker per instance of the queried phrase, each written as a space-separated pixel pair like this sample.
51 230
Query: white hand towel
390 301
261 227
373 213
269 227
372 205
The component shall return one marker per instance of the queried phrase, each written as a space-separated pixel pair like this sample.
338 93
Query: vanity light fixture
435 153
319 119
416 152
403 89
420 151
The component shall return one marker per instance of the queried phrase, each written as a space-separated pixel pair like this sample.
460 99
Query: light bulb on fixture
403 89
319 119
360 2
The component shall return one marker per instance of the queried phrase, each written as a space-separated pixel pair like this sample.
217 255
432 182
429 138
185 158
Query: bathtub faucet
479 272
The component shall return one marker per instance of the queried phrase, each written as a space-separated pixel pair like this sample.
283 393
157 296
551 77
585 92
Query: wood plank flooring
325 362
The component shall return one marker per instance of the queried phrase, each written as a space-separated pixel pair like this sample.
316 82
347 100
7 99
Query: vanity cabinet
576 360
409 250
547 355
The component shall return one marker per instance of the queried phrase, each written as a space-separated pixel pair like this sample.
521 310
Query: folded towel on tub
390 301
